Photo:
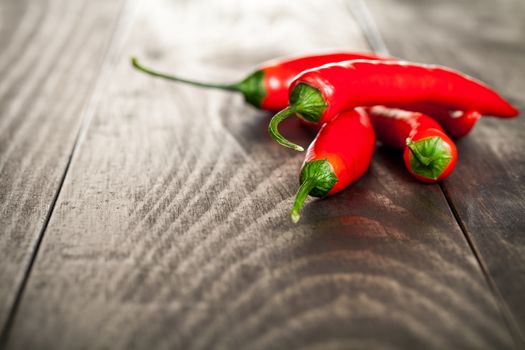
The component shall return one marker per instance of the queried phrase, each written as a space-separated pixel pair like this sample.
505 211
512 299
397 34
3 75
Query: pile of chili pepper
356 97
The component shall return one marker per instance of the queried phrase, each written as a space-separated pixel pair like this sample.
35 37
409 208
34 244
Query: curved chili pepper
338 156
267 87
429 154
319 94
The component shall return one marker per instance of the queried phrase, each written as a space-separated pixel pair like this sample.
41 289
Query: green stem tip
252 87
273 129
303 192
308 103
135 63
317 179
417 154
429 156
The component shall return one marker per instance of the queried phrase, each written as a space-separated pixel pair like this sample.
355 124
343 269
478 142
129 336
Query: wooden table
142 214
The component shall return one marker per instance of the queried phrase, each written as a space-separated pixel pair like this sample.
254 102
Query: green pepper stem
274 131
230 87
304 190
421 158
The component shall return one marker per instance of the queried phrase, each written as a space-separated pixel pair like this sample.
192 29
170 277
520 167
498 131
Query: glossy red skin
394 126
279 74
348 143
349 84
456 123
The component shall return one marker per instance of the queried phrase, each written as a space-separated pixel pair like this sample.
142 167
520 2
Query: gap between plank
125 15
508 318
366 22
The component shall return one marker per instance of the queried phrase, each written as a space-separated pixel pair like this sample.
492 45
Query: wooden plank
172 230
485 39
50 57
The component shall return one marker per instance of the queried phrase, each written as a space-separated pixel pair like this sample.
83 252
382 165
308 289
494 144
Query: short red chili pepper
338 156
456 123
267 87
319 94
429 154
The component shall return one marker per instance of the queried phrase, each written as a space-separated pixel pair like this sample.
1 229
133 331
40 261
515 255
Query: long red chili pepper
267 87
429 154
319 94
338 156
277 75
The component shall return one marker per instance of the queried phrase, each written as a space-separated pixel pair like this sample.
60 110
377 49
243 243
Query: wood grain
488 187
172 229
50 57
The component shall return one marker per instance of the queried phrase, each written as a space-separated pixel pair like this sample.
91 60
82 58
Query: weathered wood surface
172 227
486 39
50 53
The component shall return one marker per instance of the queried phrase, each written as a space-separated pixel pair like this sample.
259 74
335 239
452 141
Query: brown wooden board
50 55
172 229
487 40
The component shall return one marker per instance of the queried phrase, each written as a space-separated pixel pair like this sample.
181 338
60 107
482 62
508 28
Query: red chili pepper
429 154
319 94
339 155
267 87
456 123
